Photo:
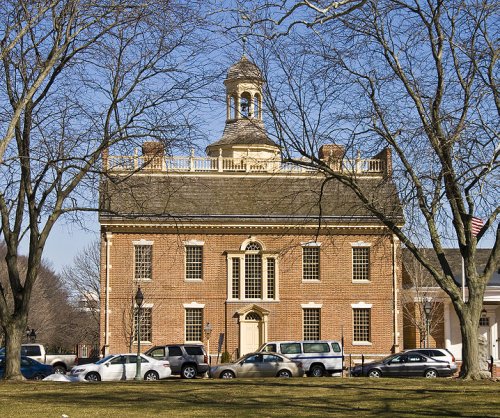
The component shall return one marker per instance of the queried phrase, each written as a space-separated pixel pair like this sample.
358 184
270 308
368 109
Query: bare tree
51 314
422 80
82 279
78 78
421 309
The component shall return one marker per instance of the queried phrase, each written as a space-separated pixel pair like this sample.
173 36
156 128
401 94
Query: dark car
410 364
30 369
187 360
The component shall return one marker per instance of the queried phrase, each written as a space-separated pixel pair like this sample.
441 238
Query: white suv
436 353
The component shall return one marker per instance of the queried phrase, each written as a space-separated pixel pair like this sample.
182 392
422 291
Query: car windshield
104 359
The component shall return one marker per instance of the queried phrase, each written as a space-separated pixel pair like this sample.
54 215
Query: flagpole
463 279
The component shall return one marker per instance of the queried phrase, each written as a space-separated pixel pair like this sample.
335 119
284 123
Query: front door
251 333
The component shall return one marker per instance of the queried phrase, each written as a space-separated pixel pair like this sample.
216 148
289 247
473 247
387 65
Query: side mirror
107 364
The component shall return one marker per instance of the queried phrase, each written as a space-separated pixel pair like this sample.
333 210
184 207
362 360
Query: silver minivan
318 358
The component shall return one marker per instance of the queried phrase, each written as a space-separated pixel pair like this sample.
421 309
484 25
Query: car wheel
227 374
38 376
151 375
317 371
374 373
430 374
59 370
93 377
189 372
284 373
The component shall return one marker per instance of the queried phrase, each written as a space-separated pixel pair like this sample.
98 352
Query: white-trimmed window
310 262
253 276
361 325
143 260
235 283
194 262
194 324
361 263
271 278
252 273
145 321
312 323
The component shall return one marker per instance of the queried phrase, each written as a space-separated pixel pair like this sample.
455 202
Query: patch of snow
57 377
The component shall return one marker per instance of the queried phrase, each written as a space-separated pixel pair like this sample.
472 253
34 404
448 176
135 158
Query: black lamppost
484 313
139 299
208 332
427 310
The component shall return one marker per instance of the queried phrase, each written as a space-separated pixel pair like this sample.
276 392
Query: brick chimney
386 157
331 151
153 152
333 155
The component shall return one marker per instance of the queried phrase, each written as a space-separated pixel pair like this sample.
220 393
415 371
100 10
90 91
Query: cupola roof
245 69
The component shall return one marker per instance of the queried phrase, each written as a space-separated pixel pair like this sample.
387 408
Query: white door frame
242 313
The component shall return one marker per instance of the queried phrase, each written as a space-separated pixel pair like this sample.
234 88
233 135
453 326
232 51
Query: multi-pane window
194 324
143 262
253 276
484 322
361 324
312 324
194 262
271 278
143 316
236 278
360 263
310 263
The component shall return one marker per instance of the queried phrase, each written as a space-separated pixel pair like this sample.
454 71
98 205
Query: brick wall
168 291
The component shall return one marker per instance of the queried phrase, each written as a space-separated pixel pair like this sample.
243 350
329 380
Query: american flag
476 225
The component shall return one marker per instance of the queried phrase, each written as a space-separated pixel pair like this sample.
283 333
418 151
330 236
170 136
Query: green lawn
306 397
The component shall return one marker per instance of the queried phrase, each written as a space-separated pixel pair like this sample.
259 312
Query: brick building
259 249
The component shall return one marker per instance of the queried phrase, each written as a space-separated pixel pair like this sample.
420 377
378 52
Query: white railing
243 164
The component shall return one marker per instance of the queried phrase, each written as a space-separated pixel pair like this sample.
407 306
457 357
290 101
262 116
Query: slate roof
455 259
244 132
243 198
244 69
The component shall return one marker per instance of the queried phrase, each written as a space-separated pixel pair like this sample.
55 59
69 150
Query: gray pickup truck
60 362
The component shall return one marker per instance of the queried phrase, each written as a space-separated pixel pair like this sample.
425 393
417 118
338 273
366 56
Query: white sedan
122 367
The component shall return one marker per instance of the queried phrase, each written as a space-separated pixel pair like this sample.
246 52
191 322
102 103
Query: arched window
253 246
256 106
245 104
233 110
252 273
252 316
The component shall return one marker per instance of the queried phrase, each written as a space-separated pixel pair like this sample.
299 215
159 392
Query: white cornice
188 225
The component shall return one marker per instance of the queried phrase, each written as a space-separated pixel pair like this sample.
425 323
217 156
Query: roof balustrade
366 166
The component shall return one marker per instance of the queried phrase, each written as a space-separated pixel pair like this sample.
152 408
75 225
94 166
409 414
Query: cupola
244 134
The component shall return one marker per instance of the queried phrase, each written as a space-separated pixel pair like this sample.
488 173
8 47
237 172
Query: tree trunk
470 344
14 331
